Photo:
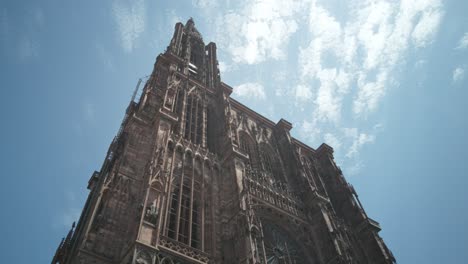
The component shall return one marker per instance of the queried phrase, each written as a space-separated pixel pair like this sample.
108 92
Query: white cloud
355 168
332 141
250 90
325 35
174 18
370 93
130 18
226 67
223 67
328 105
260 30
359 140
350 132
303 93
280 76
428 25
205 4
359 49
420 63
349 57
458 74
463 42
333 88
366 48
309 131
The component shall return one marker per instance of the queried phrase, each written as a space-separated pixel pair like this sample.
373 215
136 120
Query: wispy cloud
350 55
174 17
428 25
130 18
309 131
250 90
260 30
332 140
359 140
355 168
368 47
352 60
458 74
347 142
370 93
463 42
227 67
303 93
205 4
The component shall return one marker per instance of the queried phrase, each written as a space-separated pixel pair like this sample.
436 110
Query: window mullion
191 204
195 118
179 202
191 117
169 188
202 206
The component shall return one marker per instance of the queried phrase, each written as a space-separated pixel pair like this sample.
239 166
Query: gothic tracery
193 176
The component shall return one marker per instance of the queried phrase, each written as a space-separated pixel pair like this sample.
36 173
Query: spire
190 27
190 22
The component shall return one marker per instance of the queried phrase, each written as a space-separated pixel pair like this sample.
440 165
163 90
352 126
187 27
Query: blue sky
382 82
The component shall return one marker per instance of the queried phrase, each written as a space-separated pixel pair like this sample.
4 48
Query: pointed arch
313 175
270 162
172 226
247 144
194 117
180 96
207 220
185 207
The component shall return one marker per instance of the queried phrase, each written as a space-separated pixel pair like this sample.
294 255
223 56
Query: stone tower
194 176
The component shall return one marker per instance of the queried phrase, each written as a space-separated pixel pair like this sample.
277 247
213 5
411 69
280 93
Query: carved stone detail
253 194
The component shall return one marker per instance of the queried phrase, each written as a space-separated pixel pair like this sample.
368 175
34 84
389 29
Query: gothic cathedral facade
194 176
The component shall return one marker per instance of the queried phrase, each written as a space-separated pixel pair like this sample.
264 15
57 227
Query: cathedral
194 176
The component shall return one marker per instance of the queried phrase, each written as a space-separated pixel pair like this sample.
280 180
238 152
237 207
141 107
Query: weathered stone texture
194 176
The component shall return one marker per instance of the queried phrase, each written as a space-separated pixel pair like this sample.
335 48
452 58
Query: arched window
313 175
197 183
185 200
172 229
248 146
185 210
178 108
208 182
211 126
270 162
194 119
197 54
267 160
